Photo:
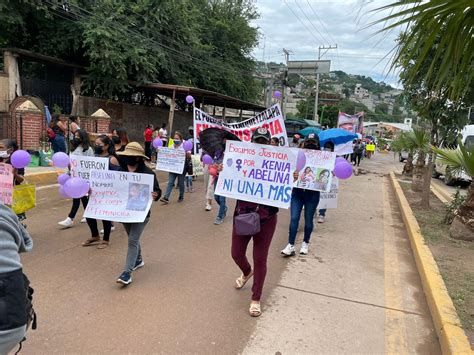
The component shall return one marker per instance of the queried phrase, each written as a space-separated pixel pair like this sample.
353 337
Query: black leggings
76 202
92 223
357 159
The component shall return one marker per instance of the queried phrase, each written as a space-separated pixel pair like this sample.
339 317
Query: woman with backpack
57 132
15 308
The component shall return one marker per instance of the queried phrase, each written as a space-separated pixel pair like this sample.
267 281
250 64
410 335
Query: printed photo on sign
170 160
317 172
82 165
329 199
138 197
6 183
257 173
271 118
197 165
351 123
119 196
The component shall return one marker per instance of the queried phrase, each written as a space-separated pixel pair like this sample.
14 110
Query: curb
43 178
452 338
441 195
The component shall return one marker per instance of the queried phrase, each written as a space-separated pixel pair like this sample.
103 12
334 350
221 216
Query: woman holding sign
177 144
134 156
265 218
309 199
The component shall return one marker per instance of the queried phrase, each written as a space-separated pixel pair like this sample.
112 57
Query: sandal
103 244
255 310
91 241
242 280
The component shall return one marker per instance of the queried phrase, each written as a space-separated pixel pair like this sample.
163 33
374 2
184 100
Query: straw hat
133 149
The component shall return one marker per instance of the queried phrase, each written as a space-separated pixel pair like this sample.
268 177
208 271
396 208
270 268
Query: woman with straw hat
134 158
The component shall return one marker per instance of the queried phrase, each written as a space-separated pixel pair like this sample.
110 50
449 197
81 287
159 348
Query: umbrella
308 130
212 140
336 136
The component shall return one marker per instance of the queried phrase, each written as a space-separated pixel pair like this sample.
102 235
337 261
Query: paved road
357 290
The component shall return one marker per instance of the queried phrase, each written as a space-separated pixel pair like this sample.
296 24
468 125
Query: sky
301 26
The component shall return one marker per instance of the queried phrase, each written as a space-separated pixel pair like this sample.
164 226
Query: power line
310 22
309 30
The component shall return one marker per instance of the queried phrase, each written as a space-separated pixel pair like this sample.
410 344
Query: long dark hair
122 134
107 141
84 137
54 120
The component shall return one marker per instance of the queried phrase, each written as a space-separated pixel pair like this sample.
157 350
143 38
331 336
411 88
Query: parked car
450 178
294 125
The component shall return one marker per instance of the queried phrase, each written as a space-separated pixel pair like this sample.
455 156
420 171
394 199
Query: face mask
311 146
76 141
4 154
98 150
131 161
177 142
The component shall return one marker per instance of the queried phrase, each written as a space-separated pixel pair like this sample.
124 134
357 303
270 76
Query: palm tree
418 142
438 28
461 160
401 144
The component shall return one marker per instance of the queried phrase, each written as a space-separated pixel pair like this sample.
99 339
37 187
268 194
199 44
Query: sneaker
208 207
218 221
83 220
125 278
164 200
304 248
111 229
321 219
289 250
139 263
191 190
67 223
181 199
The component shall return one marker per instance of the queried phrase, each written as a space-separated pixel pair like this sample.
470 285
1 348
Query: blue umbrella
47 114
336 136
308 130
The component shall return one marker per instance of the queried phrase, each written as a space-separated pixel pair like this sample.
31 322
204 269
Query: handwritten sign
6 183
81 166
257 173
171 160
119 196
197 165
329 199
316 175
271 118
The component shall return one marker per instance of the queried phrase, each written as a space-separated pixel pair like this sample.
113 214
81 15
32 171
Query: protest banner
316 174
170 159
6 183
257 173
119 196
351 123
329 199
197 165
271 118
82 165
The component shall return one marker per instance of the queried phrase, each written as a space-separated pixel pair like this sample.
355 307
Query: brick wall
33 128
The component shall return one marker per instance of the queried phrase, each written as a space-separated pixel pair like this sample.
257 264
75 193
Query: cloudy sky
303 25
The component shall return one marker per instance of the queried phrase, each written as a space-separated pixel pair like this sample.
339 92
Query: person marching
261 240
135 157
177 144
59 127
148 135
300 198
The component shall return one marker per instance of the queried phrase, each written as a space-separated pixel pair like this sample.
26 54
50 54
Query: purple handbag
246 224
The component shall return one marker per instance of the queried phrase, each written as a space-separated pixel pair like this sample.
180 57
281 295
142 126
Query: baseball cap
261 133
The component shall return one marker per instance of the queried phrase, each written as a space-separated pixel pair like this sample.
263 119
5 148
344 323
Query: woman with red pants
261 240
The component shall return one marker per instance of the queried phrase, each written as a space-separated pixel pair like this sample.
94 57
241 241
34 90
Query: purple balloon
189 99
340 159
277 94
301 160
188 146
61 160
76 187
62 192
343 170
20 159
157 142
206 159
63 178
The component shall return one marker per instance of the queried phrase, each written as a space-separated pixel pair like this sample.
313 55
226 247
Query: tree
418 142
401 144
461 159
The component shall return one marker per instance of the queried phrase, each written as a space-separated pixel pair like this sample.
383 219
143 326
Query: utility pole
285 77
316 94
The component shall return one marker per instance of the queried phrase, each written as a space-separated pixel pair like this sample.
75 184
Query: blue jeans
299 198
171 179
322 212
59 143
221 202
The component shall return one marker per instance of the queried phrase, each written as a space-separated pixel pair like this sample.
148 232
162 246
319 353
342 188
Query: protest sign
271 118
82 165
316 174
344 148
170 159
257 173
329 199
351 123
197 165
6 183
370 147
119 196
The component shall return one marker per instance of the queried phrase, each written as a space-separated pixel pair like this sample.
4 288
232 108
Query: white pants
208 183
9 339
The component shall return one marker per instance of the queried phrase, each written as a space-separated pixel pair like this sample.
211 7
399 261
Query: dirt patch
455 258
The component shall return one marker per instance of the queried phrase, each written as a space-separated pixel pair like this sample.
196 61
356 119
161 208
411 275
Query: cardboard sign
6 183
316 175
197 165
119 196
329 199
257 173
171 160
81 166
271 118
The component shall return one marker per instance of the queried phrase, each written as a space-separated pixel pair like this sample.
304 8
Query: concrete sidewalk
358 291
